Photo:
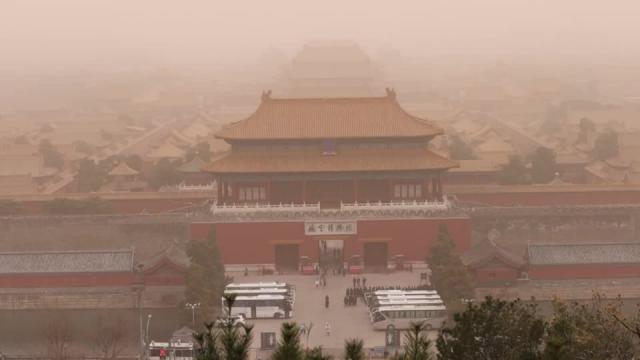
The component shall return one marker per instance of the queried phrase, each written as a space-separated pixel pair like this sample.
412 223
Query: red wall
583 271
540 198
85 280
488 274
66 280
254 243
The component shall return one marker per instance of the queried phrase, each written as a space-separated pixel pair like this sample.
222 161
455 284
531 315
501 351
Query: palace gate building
330 180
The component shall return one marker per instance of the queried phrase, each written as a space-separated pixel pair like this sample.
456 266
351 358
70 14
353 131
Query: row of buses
261 300
397 309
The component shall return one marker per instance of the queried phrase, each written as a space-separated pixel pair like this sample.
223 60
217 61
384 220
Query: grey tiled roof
613 253
66 261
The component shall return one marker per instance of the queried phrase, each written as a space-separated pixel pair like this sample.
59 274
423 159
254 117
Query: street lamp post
146 334
193 308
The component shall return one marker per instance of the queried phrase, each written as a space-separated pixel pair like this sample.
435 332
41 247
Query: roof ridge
119 251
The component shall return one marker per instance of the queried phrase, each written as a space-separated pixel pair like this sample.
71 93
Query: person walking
364 282
327 329
326 301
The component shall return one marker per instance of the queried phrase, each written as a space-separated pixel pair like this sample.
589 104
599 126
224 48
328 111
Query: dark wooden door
375 256
287 257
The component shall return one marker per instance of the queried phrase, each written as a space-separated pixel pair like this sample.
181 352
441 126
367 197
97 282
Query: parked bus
394 292
261 306
258 285
267 291
376 303
401 317
173 350
262 288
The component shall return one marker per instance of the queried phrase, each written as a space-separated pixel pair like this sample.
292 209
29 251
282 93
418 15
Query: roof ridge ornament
266 95
391 93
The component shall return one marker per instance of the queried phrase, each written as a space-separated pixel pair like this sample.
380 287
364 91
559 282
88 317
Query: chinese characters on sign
330 228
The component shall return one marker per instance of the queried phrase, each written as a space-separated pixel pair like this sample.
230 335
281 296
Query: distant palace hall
328 180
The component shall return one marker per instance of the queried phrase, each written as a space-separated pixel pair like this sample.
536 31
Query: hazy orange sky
102 32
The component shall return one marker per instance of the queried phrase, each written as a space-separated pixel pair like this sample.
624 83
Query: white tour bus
173 350
261 306
392 293
400 317
395 302
262 288
258 285
268 291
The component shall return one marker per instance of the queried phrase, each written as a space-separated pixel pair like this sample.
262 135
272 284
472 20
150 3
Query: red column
390 189
425 189
355 190
220 185
440 189
304 191
268 191
234 192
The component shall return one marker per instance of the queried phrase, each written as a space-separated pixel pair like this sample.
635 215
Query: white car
238 320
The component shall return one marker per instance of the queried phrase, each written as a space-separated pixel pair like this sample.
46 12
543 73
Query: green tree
494 329
201 150
460 150
51 156
449 275
588 331
316 354
224 340
90 176
354 349
586 127
10 208
514 172
289 347
205 279
416 344
606 146
543 165
163 173
206 343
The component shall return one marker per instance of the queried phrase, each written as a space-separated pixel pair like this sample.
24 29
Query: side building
330 181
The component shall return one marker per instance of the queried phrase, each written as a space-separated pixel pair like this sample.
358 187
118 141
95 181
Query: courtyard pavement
345 322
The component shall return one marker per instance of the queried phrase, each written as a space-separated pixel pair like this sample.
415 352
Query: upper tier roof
329 118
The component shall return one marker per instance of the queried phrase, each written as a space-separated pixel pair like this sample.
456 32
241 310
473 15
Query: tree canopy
588 331
205 279
493 329
606 146
460 150
449 275
514 172
50 154
543 165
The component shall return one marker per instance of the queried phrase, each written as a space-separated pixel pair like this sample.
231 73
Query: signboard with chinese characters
338 227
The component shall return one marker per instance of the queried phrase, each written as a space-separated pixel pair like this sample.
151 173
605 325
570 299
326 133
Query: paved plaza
345 321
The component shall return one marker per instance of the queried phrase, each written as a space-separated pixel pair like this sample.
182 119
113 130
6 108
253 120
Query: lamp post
193 308
146 334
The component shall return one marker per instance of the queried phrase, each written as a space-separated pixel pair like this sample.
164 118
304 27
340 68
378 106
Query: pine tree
205 276
449 275
416 344
354 349
289 347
